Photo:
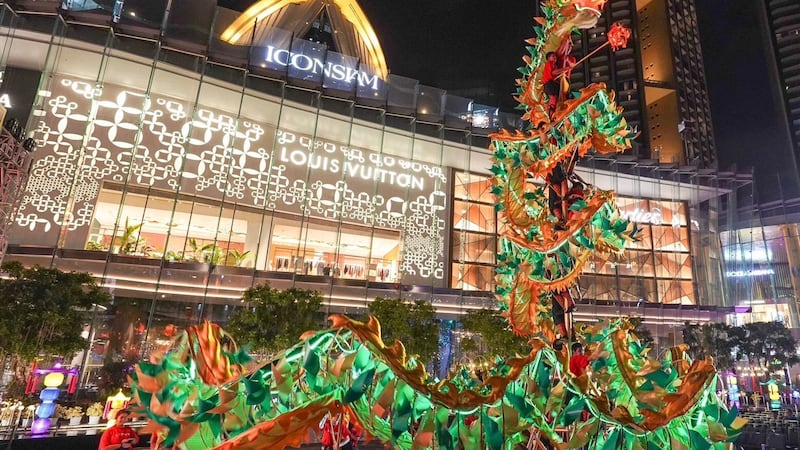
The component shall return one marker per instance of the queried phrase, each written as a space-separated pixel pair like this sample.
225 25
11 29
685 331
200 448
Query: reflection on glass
327 251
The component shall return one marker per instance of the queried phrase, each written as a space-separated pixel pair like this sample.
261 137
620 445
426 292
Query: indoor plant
74 414
94 411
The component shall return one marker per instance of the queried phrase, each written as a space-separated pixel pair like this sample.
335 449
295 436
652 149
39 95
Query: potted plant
6 411
94 411
96 246
27 420
236 258
129 239
74 414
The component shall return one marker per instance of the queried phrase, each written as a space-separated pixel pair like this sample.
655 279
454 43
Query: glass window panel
146 12
430 103
599 288
635 210
121 329
473 217
645 241
202 233
179 227
402 94
670 239
457 112
286 241
61 189
484 117
341 76
635 263
230 238
634 289
386 249
673 265
245 236
676 292
151 238
672 213
304 57
190 21
473 187
473 247
470 277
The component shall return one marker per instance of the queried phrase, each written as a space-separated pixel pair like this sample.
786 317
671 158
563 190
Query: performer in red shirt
551 85
120 435
558 66
578 362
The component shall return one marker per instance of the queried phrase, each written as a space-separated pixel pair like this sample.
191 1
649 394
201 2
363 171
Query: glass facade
180 178
760 272
656 269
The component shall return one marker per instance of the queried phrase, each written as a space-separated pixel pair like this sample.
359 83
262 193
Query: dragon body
206 393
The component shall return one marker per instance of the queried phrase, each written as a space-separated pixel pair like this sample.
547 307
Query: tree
43 312
494 333
414 324
717 340
273 319
641 331
769 344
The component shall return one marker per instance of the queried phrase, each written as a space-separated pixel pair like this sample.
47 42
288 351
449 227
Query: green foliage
238 258
767 343
96 246
716 340
44 310
129 239
495 334
273 319
412 323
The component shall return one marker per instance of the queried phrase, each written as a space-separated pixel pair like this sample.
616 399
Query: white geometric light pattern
87 135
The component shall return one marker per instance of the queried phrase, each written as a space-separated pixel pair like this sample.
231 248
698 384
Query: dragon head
593 5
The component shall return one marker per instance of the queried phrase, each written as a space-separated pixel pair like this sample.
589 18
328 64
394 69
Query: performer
120 435
354 429
551 84
578 362
337 433
557 70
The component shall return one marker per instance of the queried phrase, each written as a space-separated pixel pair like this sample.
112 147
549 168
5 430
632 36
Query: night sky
436 41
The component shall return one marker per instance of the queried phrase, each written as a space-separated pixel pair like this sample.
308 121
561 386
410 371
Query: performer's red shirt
116 434
547 76
578 364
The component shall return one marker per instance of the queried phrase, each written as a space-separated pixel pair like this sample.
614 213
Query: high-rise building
659 78
783 24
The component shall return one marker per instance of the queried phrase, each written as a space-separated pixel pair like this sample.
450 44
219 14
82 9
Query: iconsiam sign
206 392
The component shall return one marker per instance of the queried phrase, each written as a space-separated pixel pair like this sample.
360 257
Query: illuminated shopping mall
185 157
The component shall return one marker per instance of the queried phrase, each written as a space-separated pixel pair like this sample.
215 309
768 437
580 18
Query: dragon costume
206 393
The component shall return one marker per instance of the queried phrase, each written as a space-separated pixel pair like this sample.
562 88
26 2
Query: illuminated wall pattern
157 143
